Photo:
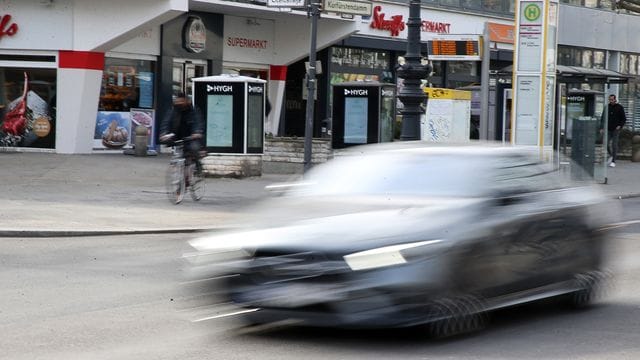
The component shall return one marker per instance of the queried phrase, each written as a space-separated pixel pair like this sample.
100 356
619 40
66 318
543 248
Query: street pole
486 126
314 13
412 71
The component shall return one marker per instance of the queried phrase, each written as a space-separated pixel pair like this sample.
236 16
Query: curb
626 196
87 233
9 233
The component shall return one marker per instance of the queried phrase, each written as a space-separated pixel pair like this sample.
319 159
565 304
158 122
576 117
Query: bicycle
184 173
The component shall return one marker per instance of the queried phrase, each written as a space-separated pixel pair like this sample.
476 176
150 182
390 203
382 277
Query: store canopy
577 74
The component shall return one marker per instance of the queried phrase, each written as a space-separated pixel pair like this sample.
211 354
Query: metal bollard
142 138
635 148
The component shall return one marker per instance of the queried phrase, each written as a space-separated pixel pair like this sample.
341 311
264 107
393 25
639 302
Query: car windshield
439 175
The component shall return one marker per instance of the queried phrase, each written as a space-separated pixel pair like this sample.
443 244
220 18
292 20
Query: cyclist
183 122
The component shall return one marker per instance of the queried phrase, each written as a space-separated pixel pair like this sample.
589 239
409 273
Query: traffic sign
364 8
286 3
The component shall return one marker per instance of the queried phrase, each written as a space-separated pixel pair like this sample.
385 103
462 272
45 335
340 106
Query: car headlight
383 256
218 249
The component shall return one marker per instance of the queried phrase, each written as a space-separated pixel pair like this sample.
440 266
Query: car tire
593 285
456 315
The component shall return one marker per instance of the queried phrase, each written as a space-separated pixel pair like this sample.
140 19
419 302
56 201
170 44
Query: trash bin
141 141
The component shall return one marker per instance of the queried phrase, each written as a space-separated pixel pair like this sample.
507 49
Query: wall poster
219 120
143 117
113 129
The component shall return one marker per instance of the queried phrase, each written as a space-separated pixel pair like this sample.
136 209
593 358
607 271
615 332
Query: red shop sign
6 27
395 25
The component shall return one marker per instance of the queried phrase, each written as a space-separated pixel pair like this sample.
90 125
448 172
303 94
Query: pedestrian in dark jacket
183 122
615 122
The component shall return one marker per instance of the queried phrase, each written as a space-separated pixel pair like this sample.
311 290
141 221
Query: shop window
587 58
462 67
455 3
599 59
492 5
28 107
360 58
127 84
472 4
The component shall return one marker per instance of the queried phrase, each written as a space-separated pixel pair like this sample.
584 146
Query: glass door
183 73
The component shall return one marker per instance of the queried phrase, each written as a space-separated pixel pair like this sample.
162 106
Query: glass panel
361 58
220 120
587 58
455 3
462 67
126 84
255 121
599 59
607 4
492 5
178 79
633 64
472 4
355 120
624 63
28 107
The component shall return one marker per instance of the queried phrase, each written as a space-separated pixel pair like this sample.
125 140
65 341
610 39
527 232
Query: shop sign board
286 3
195 35
248 40
347 7
7 28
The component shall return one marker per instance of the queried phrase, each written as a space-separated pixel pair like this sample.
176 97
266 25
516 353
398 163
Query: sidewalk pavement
46 194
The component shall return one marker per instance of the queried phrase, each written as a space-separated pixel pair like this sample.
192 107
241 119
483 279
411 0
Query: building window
27 107
126 84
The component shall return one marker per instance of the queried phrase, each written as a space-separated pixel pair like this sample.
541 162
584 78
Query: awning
577 74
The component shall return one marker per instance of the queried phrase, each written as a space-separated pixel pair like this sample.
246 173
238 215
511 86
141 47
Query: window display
126 84
27 107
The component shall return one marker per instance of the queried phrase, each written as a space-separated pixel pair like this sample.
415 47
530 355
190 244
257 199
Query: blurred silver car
410 234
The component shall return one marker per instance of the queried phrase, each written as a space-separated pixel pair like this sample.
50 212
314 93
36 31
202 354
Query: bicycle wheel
175 182
197 181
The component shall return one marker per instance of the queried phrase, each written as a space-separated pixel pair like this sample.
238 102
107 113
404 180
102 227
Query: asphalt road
121 297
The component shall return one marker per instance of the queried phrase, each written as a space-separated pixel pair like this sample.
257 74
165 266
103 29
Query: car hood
345 225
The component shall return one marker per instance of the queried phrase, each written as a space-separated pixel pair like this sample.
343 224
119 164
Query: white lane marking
225 315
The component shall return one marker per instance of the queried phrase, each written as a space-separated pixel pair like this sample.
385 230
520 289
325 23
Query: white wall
77 110
147 43
103 25
39 27
253 29
597 29
293 34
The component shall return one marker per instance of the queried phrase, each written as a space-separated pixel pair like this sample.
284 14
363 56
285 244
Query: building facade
79 76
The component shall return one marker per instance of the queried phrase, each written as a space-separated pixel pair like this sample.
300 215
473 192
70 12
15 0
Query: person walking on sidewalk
183 122
616 121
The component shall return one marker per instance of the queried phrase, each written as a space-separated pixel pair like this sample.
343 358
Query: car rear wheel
592 286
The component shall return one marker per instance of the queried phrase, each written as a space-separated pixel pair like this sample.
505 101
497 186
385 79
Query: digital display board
220 120
356 118
455 49
255 121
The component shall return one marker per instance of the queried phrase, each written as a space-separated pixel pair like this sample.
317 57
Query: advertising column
535 74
